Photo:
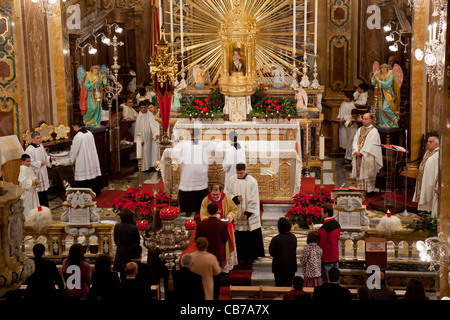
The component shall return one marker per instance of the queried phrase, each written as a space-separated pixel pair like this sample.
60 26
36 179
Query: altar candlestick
139 146
321 147
306 22
160 14
429 32
316 12
307 138
171 23
294 28
434 31
181 27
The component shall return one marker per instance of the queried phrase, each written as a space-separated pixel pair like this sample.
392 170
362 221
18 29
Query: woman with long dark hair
77 273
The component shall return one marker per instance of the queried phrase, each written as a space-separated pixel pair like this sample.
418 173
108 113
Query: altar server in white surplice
40 161
344 116
427 176
243 190
194 159
83 153
148 128
360 95
234 154
367 155
28 182
128 112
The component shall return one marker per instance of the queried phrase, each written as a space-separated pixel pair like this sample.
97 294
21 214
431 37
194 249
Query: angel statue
91 87
278 76
387 83
302 100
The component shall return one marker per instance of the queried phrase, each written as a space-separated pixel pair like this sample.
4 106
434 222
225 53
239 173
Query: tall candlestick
322 147
160 14
430 28
434 31
139 146
294 28
306 22
307 138
316 15
171 23
181 27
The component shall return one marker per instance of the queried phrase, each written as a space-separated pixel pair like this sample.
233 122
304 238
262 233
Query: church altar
276 165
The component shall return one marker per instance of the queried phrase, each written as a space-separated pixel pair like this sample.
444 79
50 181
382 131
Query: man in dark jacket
187 284
283 249
41 284
145 274
332 290
329 235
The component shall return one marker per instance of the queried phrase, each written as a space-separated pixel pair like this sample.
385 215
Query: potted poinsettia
306 209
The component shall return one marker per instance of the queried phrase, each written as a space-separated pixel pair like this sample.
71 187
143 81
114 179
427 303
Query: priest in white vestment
243 190
345 116
40 161
194 159
367 155
234 154
28 182
83 153
427 176
148 128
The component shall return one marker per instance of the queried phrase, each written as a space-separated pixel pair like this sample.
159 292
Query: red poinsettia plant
209 107
141 203
271 107
306 209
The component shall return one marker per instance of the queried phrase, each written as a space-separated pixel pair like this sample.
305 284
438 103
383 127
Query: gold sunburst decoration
207 20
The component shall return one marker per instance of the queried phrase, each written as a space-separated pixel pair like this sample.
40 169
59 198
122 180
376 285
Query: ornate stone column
15 267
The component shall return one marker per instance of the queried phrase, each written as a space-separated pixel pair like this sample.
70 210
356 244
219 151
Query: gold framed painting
46 132
62 132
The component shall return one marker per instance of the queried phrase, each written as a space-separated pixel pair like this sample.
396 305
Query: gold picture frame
26 137
62 132
46 132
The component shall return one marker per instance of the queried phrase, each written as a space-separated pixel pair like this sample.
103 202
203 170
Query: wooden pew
277 293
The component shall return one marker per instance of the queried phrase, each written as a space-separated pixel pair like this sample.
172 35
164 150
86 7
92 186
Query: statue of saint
237 63
200 80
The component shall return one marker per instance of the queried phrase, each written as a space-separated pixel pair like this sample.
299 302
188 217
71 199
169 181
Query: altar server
345 116
193 157
148 128
367 156
128 112
361 94
145 93
234 154
427 176
83 153
28 182
243 190
40 160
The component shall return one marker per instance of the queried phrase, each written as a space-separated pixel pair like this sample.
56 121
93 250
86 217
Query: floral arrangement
169 212
210 107
426 223
141 203
270 107
306 209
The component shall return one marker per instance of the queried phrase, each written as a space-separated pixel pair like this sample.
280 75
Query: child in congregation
28 182
297 292
360 95
311 259
352 127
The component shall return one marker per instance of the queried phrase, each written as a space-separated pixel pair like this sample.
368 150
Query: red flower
204 109
277 107
269 100
196 107
197 101
206 100
201 104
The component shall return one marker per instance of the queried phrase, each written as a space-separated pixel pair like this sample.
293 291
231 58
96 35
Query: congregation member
83 153
427 177
28 182
83 279
329 234
206 265
187 285
41 284
243 190
297 292
377 294
227 209
103 278
125 235
331 290
40 161
367 156
311 260
145 274
283 250
148 128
